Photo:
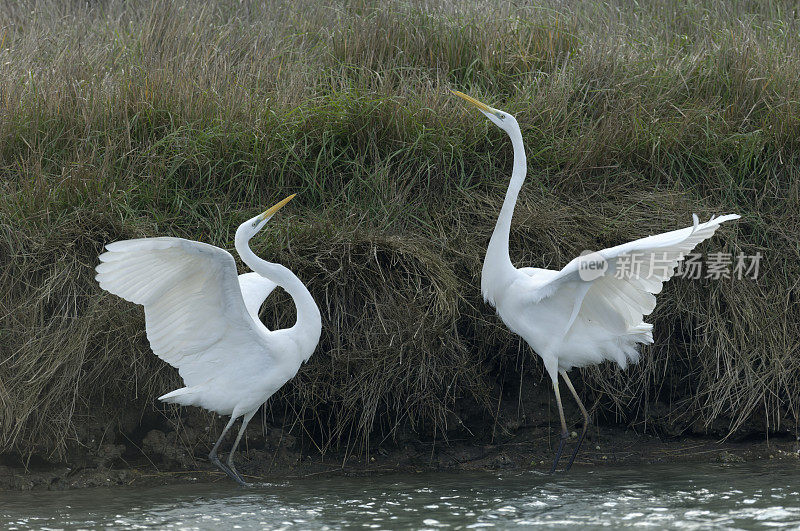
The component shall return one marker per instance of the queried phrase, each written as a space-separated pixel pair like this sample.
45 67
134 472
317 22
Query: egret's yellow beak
271 210
482 106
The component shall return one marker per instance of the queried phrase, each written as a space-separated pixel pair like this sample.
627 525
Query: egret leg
213 455
245 420
585 417
564 432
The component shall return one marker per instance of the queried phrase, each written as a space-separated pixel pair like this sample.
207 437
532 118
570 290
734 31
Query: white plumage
203 320
573 322
255 290
195 316
580 316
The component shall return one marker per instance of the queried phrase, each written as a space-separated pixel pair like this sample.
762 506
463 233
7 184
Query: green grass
130 119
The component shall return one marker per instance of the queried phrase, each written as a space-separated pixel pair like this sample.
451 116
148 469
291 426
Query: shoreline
607 447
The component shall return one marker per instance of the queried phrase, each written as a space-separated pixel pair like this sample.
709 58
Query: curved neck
309 320
497 255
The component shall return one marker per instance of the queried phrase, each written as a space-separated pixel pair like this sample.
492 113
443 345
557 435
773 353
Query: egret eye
502 116
255 224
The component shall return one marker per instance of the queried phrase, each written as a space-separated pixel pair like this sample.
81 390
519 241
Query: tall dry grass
127 119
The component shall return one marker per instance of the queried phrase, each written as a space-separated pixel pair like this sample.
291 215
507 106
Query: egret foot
564 437
214 459
238 477
233 473
585 418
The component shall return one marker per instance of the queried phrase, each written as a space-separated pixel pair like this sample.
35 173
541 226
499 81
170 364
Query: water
741 496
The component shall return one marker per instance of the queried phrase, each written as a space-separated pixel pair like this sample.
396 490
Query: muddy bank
158 447
604 448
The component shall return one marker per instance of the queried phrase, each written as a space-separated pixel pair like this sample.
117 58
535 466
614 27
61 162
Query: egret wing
196 317
637 270
255 290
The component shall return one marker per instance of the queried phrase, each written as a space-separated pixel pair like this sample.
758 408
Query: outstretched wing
621 297
255 290
195 314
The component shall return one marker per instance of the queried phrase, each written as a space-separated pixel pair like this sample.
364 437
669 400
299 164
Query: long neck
309 321
497 256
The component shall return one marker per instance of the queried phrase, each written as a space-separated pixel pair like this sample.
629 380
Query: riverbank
522 436
605 448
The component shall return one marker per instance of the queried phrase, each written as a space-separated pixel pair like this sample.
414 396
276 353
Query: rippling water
688 497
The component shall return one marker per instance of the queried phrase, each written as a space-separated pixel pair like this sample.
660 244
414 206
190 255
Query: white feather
609 321
198 318
203 319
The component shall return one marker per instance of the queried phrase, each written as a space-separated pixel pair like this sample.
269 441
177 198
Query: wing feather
195 313
255 290
620 302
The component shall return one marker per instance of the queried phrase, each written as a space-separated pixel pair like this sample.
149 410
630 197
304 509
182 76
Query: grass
130 119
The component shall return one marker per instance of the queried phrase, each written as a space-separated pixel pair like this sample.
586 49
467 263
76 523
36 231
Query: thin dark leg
213 455
245 420
564 432
585 417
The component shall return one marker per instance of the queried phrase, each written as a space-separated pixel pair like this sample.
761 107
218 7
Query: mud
273 454
605 449
154 447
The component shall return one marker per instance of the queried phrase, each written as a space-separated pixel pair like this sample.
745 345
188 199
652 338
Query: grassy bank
127 119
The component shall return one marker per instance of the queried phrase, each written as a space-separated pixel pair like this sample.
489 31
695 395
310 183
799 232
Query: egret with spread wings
203 320
593 309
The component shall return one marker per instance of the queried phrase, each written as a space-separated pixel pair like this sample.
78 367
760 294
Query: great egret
591 310
200 320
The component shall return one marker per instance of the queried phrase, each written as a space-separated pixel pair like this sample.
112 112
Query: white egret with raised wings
592 309
203 320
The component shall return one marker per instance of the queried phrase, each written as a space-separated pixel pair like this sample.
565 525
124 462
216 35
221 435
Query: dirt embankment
523 436
170 464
